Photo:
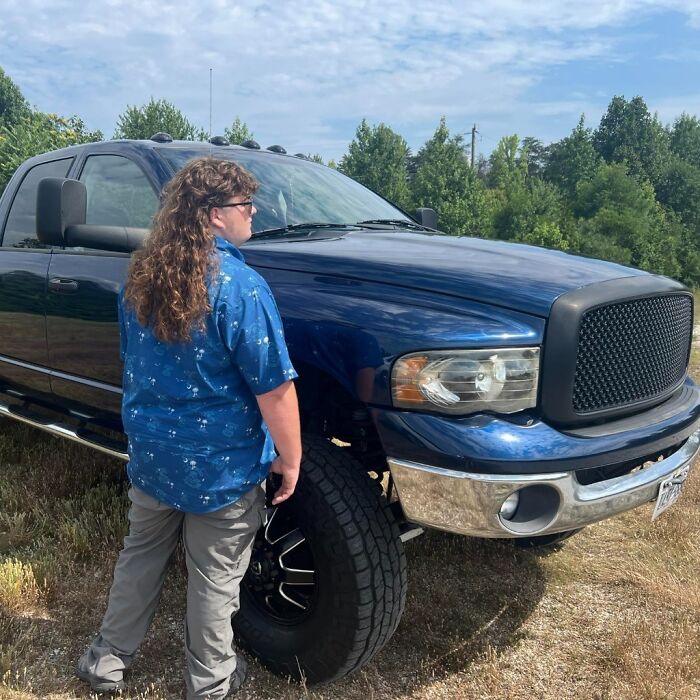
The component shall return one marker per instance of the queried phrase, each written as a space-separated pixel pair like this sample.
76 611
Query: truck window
118 193
294 191
20 231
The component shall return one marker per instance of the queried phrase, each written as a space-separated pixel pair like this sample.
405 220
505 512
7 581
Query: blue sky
303 73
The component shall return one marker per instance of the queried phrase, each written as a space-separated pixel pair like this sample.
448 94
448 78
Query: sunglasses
249 203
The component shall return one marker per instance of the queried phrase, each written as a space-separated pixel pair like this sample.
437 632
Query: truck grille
631 351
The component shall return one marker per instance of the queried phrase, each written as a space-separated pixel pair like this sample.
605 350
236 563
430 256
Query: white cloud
668 108
566 108
293 70
681 55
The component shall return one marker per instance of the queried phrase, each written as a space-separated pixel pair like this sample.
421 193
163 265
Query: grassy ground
612 614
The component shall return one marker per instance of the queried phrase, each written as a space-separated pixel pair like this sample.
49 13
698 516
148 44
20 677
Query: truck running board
77 434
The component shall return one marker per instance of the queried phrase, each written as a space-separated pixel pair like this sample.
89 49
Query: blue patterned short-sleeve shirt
197 440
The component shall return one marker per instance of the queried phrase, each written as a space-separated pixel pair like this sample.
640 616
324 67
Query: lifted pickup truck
474 386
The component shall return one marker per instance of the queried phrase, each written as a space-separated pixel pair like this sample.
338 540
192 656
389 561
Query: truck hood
520 277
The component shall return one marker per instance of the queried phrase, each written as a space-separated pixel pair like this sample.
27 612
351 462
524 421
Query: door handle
62 285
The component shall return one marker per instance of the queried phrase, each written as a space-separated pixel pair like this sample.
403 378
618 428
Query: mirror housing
61 210
426 217
60 203
118 239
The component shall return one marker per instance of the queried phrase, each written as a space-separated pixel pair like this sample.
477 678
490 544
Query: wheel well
328 409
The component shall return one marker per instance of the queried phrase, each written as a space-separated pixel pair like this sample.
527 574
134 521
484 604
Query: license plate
670 490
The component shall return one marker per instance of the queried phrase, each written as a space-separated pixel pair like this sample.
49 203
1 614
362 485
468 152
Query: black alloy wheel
281 575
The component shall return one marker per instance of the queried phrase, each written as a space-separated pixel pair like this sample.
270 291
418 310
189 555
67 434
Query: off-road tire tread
363 541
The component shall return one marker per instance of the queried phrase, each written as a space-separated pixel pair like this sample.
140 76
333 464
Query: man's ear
214 219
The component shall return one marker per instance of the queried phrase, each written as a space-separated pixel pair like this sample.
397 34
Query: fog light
530 509
510 505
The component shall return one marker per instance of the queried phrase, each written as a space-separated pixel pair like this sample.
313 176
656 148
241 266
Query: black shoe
239 676
100 685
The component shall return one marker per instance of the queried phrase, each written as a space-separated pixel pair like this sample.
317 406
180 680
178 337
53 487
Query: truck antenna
210 98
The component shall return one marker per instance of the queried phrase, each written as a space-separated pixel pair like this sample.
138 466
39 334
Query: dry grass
18 586
614 614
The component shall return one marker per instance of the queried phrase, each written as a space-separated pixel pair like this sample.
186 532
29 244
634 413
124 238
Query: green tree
629 134
13 106
620 220
536 154
508 164
679 189
528 212
572 159
445 182
37 133
377 158
689 255
523 207
546 234
157 115
610 187
238 132
482 167
685 138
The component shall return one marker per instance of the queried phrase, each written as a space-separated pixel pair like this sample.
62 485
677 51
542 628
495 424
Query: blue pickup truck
473 386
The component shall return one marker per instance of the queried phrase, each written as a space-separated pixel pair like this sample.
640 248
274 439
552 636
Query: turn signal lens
407 389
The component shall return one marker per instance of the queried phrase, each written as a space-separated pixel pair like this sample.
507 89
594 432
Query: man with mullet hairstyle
208 395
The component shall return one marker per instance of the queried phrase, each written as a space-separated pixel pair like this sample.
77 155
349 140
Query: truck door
24 263
83 284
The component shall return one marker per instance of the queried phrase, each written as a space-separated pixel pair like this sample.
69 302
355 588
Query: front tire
327 582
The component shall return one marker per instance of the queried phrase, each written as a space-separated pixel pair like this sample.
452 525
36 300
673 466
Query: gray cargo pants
217 549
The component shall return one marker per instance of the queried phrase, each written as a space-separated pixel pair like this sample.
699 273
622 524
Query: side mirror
61 210
426 217
60 203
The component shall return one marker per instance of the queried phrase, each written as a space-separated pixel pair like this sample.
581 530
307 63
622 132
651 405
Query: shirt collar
228 247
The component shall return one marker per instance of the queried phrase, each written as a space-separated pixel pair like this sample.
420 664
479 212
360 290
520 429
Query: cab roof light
219 141
276 149
251 144
162 137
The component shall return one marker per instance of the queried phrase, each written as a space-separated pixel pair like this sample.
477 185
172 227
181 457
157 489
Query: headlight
466 381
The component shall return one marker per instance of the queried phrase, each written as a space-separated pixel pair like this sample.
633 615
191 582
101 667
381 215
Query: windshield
295 191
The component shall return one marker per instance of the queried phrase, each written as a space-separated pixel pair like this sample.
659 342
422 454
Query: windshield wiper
406 223
299 227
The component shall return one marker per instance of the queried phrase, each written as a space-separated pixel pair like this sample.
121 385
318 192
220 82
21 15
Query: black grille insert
631 351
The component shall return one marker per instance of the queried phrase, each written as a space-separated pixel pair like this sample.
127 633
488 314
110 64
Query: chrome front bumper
470 503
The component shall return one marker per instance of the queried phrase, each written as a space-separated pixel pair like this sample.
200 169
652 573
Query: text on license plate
670 490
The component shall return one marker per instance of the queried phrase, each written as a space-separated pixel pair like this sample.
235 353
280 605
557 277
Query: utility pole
210 93
474 133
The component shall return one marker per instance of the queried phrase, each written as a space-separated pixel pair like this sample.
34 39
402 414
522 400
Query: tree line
627 191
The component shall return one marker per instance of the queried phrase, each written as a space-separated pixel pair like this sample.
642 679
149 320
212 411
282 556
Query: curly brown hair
167 282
